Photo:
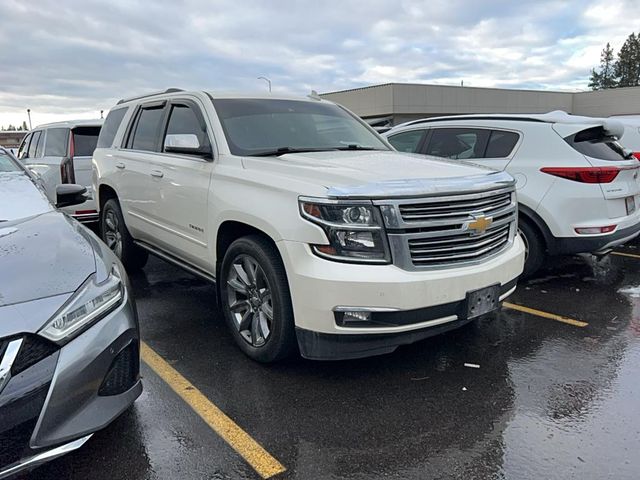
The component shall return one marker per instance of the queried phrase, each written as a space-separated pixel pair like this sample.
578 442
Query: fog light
356 316
595 230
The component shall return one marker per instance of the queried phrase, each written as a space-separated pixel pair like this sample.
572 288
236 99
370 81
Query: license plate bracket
483 301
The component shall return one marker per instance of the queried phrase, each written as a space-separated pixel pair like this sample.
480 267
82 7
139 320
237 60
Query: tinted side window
24 147
501 144
34 144
57 140
147 129
40 145
84 141
184 120
407 141
110 127
458 142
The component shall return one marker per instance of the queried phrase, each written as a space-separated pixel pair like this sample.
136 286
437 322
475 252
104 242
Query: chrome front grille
439 251
450 230
454 209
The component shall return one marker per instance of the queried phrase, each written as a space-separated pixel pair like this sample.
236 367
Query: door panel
181 207
183 188
133 166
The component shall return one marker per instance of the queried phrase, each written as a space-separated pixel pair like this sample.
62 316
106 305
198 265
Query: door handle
157 173
120 165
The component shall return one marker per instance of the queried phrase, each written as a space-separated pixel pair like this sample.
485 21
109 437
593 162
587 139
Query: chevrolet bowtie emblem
480 224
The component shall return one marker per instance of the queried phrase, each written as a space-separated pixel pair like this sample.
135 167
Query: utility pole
29 115
266 80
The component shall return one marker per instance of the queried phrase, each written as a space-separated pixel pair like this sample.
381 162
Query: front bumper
327 346
318 286
68 400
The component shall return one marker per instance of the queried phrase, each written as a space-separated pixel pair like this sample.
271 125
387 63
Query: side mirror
69 194
185 143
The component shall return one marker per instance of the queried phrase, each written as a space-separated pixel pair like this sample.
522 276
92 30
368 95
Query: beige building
394 103
11 139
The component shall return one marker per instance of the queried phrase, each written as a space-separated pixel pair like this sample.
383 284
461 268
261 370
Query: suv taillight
584 174
67 172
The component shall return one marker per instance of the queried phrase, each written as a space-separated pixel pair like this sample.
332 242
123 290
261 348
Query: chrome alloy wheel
112 235
249 300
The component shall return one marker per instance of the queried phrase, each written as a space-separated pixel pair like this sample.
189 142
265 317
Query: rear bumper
594 244
86 217
86 212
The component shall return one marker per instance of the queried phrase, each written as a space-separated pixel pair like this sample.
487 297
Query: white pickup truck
320 236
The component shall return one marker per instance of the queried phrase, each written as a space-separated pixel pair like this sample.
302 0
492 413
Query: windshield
265 126
7 164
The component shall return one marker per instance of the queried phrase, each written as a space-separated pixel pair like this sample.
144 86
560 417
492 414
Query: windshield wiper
353 146
284 150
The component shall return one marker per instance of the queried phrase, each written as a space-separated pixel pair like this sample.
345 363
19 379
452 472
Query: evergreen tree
595 81
11 128
606 76
24 126
628 64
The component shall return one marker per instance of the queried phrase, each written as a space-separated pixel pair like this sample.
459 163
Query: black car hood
42 256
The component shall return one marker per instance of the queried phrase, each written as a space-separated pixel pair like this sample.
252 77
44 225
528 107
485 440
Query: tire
115 234
535 249
255 300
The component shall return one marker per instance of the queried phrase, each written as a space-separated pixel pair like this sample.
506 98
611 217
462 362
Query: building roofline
568 92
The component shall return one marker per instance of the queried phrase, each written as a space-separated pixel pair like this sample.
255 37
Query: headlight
354 229
88 304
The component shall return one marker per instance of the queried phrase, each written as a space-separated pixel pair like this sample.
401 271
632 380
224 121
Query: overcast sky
71 58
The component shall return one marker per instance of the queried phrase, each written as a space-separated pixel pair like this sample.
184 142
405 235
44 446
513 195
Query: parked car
60 153
631 132
311 223
69 342
577 187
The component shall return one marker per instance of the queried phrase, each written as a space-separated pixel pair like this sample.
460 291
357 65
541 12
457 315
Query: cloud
66 58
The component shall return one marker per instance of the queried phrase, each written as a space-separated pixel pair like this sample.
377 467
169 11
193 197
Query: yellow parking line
550 316
622 254
261 460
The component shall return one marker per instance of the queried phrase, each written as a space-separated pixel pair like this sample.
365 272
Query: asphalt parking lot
555 395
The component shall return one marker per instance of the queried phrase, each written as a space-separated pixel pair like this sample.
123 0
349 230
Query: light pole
266 80
29 115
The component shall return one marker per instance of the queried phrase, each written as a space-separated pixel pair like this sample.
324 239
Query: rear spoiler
565 124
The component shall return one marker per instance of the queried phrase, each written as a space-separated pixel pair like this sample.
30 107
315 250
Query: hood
42 256
337 170
20 198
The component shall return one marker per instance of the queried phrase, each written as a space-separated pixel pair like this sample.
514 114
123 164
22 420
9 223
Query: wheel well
230 231
535 222
105 192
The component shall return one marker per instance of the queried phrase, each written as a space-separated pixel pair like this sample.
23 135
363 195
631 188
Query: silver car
69 338
60 153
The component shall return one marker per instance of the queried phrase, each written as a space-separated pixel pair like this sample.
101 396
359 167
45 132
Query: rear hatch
617 167
82 144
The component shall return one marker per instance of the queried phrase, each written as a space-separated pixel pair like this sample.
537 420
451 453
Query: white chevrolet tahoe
321 237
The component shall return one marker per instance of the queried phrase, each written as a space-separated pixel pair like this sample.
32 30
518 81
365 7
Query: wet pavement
550 400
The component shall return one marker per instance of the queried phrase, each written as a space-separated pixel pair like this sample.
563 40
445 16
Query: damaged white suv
320 236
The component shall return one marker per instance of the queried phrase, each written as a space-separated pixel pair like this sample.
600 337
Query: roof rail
152 94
